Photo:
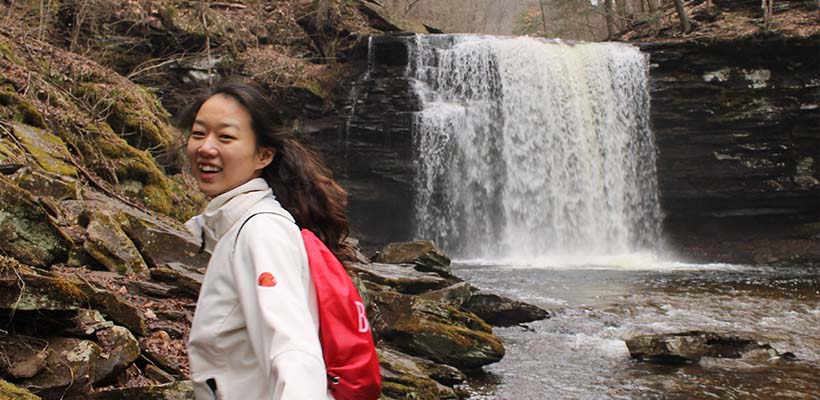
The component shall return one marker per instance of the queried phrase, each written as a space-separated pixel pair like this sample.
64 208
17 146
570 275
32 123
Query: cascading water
531 148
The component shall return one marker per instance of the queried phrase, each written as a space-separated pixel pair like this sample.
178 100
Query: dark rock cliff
738 129
737 126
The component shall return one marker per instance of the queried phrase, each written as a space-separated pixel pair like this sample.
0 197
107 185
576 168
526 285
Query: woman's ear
266 155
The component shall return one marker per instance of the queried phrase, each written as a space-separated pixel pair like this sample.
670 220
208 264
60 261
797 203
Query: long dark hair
299 179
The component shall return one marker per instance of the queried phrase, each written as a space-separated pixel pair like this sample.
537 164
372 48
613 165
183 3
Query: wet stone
690 347
402 278
502 311
454 295
424 254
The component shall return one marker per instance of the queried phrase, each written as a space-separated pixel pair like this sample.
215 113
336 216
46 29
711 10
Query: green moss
313 87
65 289
48 150
6 51
11 392
21 110
134 115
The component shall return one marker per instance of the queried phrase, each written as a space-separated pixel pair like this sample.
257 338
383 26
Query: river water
542 150
580 352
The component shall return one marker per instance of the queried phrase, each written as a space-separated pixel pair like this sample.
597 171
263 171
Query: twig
228 5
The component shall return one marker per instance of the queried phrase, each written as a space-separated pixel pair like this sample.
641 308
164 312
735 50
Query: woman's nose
207 147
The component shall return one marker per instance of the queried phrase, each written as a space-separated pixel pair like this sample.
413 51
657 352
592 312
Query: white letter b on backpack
364 325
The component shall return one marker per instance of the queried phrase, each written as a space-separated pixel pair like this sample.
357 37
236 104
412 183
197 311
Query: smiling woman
255 329
222 146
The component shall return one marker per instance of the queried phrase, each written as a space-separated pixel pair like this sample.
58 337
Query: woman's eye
226 137
197 134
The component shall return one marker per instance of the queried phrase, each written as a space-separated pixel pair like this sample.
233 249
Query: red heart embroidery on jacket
266 279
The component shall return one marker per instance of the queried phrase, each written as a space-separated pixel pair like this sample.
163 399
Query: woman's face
222 147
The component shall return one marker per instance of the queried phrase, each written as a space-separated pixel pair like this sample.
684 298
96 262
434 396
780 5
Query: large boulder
690 347
27 232
402 278
502 311
437 331
424 254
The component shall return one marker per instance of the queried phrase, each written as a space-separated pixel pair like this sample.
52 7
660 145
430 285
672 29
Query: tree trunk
620 14
543 17
767 14
610 29
685 22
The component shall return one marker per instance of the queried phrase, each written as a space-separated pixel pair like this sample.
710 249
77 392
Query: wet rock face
369 144
737 132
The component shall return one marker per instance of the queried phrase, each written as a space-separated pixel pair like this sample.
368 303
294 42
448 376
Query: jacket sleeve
273 285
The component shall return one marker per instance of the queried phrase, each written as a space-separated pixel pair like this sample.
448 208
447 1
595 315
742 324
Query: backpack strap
238 231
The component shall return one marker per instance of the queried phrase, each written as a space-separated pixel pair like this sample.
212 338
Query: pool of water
580 352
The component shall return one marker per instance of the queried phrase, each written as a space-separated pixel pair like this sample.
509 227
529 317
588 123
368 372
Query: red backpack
352 365
353 371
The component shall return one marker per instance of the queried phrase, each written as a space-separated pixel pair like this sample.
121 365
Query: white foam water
530 148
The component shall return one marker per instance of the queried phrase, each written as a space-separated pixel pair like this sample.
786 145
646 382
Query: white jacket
256 328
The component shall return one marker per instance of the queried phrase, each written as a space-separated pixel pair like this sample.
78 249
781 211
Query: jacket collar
224 210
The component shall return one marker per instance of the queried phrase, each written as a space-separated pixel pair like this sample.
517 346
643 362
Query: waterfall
530 148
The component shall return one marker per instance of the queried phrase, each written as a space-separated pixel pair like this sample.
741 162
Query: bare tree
544 17
767 14
610 25
685 22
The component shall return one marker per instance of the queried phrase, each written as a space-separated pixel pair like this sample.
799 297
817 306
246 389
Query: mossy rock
17 108
26 230
408 377
10 392
42 184
48 150
133 114
135 173
8 52
9 153
25 289
182 390
437 331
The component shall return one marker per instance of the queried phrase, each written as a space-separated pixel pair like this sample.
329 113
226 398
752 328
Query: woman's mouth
207 172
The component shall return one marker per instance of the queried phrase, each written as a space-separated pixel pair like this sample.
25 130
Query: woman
255 330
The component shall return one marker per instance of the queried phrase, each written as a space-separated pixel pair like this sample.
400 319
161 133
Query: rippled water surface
580 353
